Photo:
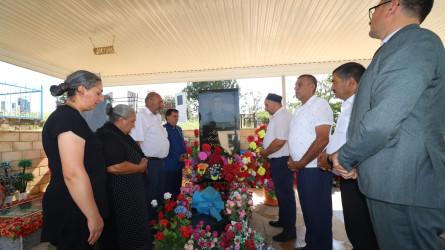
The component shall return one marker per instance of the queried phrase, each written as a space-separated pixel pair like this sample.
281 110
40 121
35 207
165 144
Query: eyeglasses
372 10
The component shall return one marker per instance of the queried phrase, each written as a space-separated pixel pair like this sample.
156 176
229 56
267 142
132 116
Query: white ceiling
160 41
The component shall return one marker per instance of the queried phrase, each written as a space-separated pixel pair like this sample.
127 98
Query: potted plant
7 181
23 178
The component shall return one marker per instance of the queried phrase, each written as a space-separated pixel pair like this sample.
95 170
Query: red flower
230 235
217 149
160 236
196 132
206 147
189 151
250 244
181 215
238 226
185 232
163 222
168 207
180 197
195 143
161 215
153 222
250 138
227 227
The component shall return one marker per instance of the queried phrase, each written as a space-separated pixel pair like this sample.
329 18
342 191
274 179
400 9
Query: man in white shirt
358 224
153 139
276 148
308 136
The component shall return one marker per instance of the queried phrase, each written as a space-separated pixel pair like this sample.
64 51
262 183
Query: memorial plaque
219 118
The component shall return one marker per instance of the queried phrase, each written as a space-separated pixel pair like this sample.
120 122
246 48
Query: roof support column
283 90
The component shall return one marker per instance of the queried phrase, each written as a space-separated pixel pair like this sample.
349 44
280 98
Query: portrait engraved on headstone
219 118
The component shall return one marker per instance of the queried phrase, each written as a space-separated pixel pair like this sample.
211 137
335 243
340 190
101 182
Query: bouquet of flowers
174 218
202 238
259 167
239 204
238 235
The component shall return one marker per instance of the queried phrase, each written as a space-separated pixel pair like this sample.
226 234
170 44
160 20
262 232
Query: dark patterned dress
128 225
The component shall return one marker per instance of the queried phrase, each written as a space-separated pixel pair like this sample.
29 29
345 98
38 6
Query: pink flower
202 156
203 232
202 243
196 236
242 213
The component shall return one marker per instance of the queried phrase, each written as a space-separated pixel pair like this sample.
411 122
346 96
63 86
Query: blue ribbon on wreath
208 201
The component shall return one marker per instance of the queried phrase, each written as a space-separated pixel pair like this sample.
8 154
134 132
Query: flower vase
8 199
269 200
23 196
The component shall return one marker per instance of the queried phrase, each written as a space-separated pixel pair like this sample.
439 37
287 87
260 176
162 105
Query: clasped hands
341 170
294 165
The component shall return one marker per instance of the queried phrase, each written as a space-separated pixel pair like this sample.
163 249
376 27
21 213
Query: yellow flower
214 177
261 171
261 134
252 145
258 150
230 161
243 168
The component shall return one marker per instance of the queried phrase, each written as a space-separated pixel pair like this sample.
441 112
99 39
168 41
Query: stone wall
18 145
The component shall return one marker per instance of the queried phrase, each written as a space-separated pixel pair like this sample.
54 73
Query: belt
155 158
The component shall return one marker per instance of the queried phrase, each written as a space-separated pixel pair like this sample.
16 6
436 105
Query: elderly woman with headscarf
128 225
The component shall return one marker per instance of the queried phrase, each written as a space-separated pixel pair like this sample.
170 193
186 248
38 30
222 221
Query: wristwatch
329 161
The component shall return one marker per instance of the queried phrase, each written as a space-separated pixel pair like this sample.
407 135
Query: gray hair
73 81
121 110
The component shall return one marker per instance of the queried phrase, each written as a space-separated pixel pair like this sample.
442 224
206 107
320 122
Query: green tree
251 102
324 91
169 103
193 88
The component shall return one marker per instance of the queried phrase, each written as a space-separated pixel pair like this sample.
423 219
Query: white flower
245 160
167 196
154 203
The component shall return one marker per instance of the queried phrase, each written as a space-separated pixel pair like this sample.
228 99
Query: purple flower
196 236
215 234
202 243
203 232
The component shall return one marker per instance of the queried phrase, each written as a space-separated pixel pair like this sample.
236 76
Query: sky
12 74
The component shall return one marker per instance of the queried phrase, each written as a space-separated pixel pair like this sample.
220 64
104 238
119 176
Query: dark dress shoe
275 223
283 237
300 248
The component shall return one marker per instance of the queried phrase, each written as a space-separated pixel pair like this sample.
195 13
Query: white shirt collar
388 37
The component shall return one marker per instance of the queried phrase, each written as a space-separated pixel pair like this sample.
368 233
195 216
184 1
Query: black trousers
154 184
358 223
173 182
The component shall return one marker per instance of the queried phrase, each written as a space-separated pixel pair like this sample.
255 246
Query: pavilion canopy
159 41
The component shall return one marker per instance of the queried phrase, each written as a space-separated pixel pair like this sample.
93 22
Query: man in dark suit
177 153
396 133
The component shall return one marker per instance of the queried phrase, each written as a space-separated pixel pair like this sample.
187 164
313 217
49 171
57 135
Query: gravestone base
29 242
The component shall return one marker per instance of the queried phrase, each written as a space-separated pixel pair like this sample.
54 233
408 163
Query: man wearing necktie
177 153
396 132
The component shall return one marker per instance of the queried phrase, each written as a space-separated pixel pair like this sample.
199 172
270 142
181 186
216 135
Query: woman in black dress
75 200
128 225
